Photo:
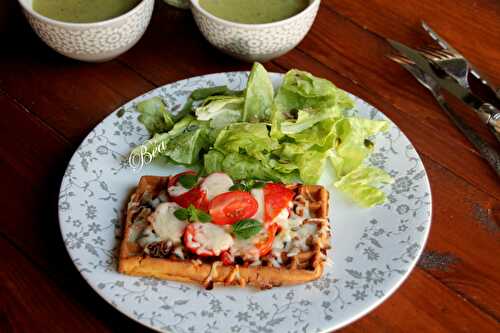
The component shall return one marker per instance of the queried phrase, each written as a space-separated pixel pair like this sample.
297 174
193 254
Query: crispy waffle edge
193 271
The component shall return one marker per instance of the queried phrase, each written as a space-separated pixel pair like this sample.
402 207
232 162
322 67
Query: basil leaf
193 216
246 228
239 187
203 217
258 185
188 181
182 214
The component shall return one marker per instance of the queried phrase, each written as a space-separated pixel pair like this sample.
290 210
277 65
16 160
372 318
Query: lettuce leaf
252 134
154 116
303 100
302 90
242 166
354 144
212 161
259 95
220 110
361 185
310 162
181 145
250 138
307 118
201 94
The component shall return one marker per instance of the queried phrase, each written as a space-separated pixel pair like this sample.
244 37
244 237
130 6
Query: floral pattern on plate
373 250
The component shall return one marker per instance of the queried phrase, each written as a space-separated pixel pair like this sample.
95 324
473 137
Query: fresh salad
284 136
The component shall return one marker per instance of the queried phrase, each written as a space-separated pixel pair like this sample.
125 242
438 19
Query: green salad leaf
220 110
259 95
301 90
154 116
182 144
240 166
254 135
251 138
309 161
361 185
201 94
354 146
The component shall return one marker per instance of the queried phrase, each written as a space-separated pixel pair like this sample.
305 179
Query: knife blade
487 112
473 69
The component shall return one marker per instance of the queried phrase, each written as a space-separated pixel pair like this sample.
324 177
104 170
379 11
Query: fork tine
447 53
434 52
400 59
431 53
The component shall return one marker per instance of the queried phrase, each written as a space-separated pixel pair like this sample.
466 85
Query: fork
453 64
449 51
486 151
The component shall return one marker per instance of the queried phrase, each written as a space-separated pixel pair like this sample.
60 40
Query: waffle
301 267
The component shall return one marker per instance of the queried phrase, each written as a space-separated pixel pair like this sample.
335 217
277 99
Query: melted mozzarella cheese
258 194
246 249
282 218
177 189
165 224
178 251
302 234
210 239
292 238
148 236
136 230
215 184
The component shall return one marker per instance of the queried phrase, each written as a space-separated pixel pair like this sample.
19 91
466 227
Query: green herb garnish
188 181
247 185
192 214
239 187
246 228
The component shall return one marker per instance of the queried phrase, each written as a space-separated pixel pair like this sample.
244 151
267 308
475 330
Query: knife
488 113
474 70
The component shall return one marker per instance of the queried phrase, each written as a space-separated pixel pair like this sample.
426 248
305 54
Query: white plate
373 250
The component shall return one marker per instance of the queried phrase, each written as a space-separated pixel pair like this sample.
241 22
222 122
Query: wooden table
49 103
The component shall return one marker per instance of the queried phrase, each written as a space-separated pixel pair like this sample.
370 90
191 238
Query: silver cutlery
453 64
473 69
486 151
488 113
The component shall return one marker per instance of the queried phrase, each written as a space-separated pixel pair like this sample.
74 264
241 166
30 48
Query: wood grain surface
49 103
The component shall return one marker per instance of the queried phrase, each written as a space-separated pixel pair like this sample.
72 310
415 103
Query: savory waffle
310 203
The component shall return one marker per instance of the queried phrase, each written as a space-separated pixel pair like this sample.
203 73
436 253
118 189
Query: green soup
254 11
83 11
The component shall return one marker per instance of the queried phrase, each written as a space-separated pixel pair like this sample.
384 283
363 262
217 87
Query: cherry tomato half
266 245
195 196
227 258
276 198
231 207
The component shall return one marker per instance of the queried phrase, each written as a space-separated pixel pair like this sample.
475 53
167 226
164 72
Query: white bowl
94 42
255 42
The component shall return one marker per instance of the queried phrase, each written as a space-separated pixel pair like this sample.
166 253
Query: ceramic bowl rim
97 24
312 4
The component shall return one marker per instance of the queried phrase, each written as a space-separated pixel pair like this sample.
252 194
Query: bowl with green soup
89 30
254 30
